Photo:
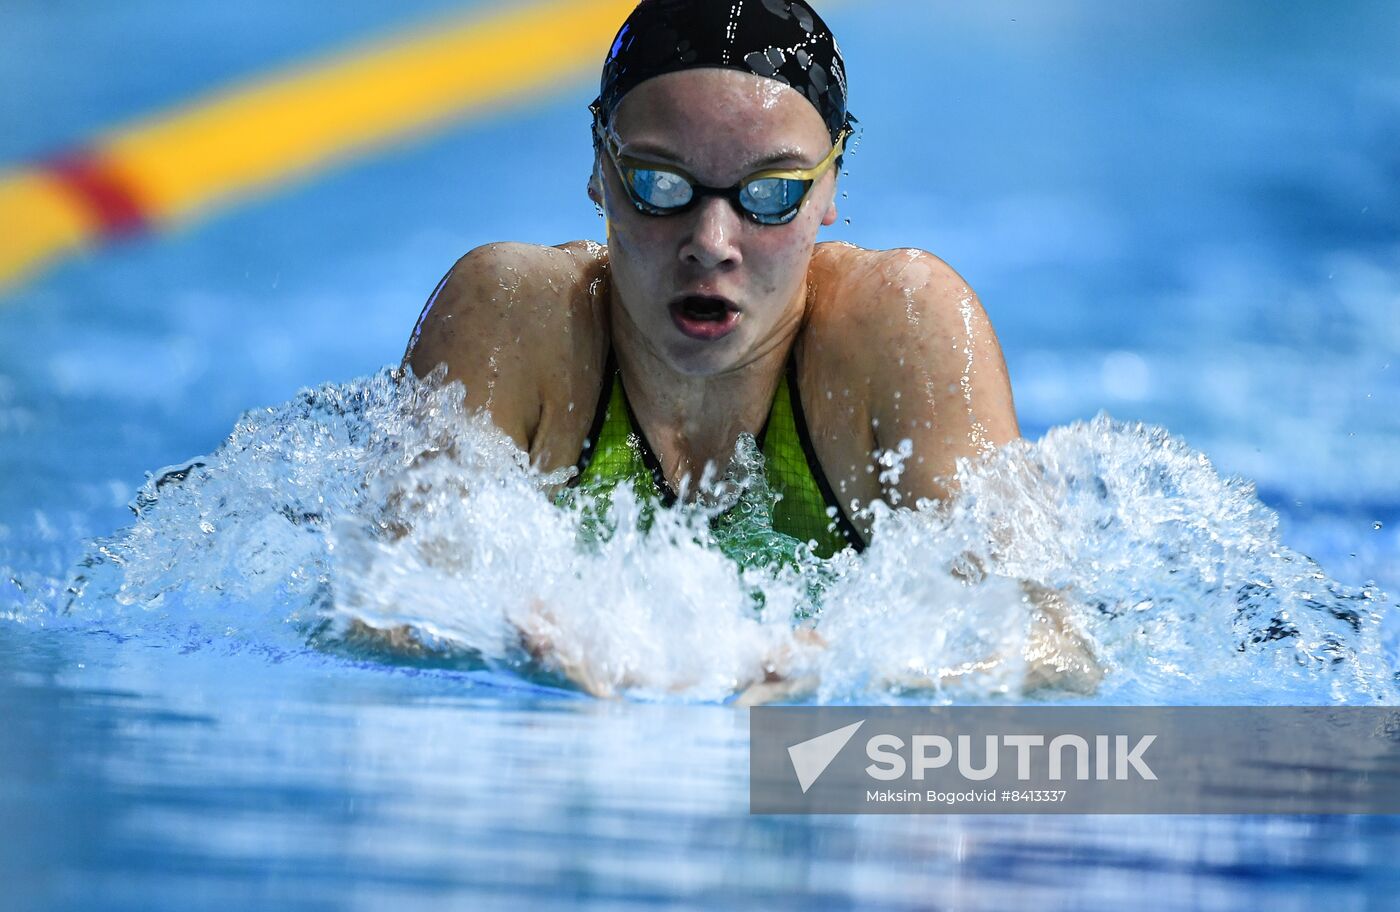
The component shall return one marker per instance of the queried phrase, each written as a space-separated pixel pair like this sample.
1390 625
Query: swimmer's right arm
478 323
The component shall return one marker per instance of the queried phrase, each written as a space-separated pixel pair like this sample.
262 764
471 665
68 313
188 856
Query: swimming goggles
767 197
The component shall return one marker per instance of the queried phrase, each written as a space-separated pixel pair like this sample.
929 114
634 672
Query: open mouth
696 307
704 316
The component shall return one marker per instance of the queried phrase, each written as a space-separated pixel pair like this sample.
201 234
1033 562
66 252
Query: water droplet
1377 525
848 221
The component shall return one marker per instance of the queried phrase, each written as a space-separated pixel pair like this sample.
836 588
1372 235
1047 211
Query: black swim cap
784 40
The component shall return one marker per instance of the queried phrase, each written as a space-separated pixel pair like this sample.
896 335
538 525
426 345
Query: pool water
1181 215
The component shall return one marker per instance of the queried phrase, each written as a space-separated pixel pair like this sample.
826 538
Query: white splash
380 517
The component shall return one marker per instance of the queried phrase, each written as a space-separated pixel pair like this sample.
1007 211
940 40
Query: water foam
379 518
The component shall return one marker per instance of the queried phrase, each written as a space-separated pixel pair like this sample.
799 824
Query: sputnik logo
811 758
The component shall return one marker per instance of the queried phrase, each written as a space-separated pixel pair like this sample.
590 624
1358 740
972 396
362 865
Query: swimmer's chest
809 447
834 393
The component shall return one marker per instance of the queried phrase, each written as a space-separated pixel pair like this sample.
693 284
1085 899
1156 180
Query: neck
692 418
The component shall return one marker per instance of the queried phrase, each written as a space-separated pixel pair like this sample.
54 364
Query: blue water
1184 214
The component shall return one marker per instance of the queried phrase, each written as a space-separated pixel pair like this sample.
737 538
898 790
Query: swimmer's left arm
941 382
942 391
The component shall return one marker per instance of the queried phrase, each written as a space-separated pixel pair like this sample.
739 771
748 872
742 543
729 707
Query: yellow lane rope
182 164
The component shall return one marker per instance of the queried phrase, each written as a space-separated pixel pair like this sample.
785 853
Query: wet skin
890 345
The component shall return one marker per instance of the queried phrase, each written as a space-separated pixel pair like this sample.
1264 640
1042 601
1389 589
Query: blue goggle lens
662 189
772 196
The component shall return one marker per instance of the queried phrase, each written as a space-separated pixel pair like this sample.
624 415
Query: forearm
1057 656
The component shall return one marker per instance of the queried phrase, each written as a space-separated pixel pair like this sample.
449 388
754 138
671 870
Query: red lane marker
102 192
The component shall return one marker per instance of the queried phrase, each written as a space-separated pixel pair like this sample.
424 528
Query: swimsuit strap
829 499
809 509
649 457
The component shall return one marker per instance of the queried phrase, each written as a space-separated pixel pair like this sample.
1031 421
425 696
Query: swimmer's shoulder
515 323
874 303
855 284
907 331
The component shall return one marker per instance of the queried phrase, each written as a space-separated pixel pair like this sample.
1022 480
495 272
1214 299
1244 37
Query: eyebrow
785 154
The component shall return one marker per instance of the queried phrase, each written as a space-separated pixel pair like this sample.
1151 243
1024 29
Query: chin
691 359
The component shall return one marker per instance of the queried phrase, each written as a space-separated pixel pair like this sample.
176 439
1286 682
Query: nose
713 242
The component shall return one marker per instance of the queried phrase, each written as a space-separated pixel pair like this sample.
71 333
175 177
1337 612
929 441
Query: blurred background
1183 213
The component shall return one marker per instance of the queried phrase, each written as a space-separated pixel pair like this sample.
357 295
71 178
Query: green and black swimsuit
617 450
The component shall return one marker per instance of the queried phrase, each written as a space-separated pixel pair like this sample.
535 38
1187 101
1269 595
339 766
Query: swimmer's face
719 126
